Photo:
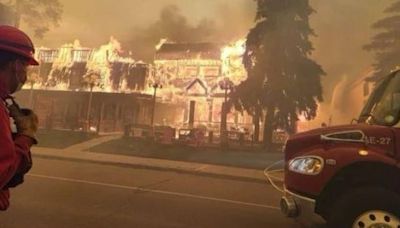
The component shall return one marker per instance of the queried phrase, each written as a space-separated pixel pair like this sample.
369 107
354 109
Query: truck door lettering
377 140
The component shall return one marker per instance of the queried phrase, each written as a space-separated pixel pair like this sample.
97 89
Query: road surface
62 193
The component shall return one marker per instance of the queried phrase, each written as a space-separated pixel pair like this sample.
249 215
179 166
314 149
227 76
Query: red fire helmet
16 41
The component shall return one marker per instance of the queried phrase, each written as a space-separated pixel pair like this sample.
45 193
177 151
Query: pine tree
386 44
282 79
39 15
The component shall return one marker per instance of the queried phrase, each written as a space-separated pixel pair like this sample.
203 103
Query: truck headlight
309 165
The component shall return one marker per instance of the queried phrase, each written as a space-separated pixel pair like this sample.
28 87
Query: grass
60 139
129 146
255 158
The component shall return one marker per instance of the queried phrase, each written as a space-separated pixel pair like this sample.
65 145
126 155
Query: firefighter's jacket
14 154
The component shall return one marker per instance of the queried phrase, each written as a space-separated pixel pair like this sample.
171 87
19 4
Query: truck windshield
383 106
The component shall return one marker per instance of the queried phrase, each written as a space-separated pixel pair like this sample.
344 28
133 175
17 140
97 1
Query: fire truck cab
349 175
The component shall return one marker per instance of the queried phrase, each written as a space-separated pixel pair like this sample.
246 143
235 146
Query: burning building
101 89
73 67
198 77
81 88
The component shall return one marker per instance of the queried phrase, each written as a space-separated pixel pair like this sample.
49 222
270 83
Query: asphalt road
61 193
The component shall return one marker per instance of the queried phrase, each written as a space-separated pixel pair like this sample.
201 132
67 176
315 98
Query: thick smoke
175 27
5 15
338 48
171 25
342 28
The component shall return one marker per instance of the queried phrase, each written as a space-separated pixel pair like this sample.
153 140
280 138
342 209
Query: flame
228 65
33 81
99 63
231 57
208 70
98 66
161 43
64 58
236 49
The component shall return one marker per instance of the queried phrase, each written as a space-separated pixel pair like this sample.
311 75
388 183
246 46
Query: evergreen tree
386 44
282 79
39 15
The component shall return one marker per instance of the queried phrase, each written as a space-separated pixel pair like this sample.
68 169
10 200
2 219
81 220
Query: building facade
199 77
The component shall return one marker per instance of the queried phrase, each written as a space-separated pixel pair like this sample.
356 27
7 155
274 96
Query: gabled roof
197 87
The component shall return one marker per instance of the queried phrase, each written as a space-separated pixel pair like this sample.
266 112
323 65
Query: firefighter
16 54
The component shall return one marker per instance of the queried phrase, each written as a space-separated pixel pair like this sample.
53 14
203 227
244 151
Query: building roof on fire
174 51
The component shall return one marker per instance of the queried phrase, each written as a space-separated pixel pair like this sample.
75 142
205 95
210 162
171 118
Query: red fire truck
349 175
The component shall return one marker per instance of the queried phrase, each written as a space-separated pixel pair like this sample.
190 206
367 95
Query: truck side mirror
395 100
395 108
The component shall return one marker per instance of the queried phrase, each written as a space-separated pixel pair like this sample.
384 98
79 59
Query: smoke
173 26
342 28
6 17
235 20
340 37
229 24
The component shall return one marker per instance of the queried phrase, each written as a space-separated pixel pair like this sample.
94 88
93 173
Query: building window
47 56
191 71
80 55
210 71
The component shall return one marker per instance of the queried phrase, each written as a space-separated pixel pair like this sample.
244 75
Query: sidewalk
91 143
246 165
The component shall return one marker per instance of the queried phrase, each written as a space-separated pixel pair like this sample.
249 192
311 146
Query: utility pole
226 85
92 80
155 87
88 119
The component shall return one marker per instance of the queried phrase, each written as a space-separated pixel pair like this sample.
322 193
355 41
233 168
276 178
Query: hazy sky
342 26
94 21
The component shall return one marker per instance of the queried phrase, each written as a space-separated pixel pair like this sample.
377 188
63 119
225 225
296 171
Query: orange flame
99 62
231 57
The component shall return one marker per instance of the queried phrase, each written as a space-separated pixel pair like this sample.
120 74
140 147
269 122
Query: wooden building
63 99
108 112
195 74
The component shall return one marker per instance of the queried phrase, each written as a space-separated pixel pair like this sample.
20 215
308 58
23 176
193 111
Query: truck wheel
366 207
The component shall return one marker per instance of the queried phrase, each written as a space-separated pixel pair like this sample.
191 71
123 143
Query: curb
155 164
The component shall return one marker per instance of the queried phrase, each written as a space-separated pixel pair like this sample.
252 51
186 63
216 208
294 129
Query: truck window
383 107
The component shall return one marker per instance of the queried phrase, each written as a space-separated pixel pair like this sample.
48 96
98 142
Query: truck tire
366 207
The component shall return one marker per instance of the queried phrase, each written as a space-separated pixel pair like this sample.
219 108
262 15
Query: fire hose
271 178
